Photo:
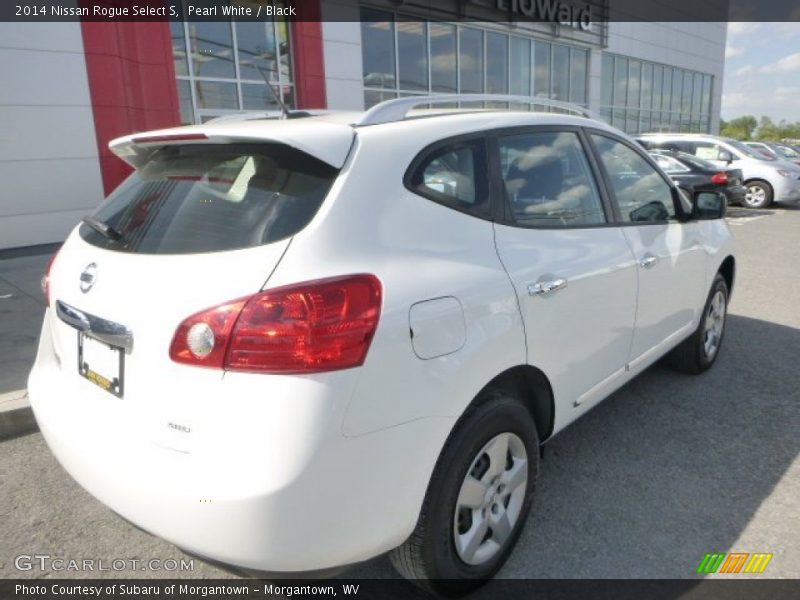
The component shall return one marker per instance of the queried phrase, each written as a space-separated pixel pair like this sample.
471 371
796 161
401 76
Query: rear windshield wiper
103 229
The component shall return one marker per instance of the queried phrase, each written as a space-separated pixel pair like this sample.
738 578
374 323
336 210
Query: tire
758 194
434 555
695 354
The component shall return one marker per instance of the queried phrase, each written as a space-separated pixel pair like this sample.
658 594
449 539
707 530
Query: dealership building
70 87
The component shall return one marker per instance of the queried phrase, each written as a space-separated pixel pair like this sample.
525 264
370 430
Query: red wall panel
132 78
131 83
309 62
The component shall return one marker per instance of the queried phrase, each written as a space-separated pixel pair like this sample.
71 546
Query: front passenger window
642 194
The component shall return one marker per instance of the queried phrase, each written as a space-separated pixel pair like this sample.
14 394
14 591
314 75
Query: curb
16 415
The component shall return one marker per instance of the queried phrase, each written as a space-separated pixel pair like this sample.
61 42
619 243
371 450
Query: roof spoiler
328 142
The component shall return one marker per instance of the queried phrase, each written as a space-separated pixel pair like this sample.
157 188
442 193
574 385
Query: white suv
294 344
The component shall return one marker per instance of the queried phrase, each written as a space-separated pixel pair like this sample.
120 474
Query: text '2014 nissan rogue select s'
292 344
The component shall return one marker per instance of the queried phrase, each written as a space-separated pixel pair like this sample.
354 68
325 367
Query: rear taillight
46 279
309 327
720 178
212 326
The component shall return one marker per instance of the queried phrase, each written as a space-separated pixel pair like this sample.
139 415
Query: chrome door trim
98 328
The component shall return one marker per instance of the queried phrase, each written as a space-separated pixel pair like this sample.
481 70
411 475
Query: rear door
573 270
669 253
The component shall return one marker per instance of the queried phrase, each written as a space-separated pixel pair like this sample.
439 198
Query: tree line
748 128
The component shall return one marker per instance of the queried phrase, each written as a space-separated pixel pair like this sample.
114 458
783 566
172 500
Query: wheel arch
532 387
728 271
759 180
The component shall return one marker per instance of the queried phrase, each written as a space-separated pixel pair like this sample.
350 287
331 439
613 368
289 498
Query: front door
669 254
573 270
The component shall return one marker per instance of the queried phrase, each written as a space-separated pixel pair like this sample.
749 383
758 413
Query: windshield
210 198
747 151
787 152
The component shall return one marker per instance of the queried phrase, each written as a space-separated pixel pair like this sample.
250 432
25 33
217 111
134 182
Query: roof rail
397 109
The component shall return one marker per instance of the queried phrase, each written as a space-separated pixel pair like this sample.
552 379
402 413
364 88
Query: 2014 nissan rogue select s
292 344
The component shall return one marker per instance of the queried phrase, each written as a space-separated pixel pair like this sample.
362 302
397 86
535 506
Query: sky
762 71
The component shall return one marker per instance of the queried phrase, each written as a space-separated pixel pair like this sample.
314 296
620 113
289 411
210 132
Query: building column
344 72
309 62
596 79
131 84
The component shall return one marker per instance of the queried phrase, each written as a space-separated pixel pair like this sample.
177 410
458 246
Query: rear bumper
268 482
735 194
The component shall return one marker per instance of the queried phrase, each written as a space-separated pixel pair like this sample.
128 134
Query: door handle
546 288
648 261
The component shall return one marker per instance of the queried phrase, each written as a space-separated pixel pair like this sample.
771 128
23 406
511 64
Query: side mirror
709 205
725 156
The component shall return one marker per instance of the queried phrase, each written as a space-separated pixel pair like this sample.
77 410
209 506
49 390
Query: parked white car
294 344
766 180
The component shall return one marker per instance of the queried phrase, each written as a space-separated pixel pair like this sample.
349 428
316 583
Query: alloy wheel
490 499
714 324
755 195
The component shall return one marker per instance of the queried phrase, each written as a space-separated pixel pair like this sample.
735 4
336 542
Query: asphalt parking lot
669 468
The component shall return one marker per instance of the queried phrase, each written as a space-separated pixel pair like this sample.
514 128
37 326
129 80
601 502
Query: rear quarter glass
194 198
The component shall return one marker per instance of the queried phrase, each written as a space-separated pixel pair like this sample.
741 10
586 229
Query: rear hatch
197 224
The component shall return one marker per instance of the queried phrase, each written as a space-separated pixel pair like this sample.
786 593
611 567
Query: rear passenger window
641 192
548 182
707 150
455 176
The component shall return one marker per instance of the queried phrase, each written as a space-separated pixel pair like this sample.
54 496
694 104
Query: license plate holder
102 364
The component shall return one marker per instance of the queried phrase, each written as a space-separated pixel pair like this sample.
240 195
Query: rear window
696 162
748 151
211 198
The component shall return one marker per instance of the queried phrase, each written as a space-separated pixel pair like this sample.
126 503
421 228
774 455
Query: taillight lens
46 279
309 327
720 178
187 343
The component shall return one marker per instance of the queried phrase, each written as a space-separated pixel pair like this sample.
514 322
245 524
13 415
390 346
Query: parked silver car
766 179
777 151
